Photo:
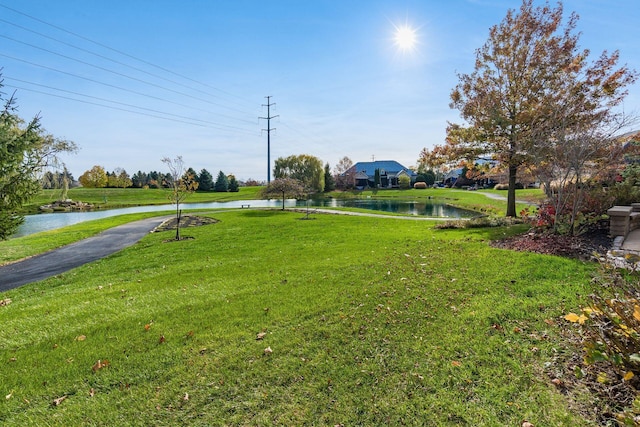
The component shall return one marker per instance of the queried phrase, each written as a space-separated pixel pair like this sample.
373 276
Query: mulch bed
585 247
185 222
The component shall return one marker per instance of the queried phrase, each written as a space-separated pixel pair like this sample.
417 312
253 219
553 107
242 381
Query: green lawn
370 321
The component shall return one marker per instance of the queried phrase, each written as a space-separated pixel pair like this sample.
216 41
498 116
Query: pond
50 221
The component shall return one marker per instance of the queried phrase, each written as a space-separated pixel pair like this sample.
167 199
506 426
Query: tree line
98 177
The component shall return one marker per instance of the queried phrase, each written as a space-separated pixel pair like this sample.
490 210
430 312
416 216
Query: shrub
574 210
404 182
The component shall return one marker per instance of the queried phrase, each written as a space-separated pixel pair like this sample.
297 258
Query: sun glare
406 38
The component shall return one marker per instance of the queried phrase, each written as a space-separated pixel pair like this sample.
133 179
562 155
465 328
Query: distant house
390 171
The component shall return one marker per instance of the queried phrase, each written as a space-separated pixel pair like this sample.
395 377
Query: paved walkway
632 242
59 260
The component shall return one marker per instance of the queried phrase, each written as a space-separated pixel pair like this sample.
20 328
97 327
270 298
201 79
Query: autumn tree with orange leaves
532 90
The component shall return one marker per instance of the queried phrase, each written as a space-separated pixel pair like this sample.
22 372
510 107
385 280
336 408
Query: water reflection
51 221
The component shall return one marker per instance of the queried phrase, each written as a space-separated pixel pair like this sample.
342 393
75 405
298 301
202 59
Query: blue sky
189 77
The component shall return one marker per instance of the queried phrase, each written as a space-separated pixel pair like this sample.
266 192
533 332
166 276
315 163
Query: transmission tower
268 130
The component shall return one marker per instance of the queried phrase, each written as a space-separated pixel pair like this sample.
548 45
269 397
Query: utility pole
268 130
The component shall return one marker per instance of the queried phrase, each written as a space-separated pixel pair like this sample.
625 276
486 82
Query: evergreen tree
25 151
222 183
234 186
205 181
329 182
140 179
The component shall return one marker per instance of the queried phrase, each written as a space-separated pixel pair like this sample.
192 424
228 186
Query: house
390 171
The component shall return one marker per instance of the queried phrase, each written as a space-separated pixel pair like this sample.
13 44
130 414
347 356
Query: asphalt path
59 260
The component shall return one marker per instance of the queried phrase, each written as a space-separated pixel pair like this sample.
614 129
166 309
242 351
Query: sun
406 38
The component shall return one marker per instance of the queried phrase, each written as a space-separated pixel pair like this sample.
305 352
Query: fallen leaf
572 317
636 312
58 401
557 382
147 327
186 397
162 339
456 363
9 396
13 359
268 350
92 392
526 423
100 364
260 336
602 378
5 302
81 338
628 376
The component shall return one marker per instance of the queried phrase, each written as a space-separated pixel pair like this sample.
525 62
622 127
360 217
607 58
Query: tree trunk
511 192
178 215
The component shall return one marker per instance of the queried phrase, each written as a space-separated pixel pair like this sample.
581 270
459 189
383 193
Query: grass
371 321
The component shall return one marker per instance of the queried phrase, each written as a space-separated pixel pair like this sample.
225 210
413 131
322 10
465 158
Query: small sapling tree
283 187
180 185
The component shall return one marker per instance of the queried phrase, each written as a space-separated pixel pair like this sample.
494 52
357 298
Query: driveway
59 260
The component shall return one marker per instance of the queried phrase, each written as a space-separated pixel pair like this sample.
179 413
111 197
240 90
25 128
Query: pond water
50 221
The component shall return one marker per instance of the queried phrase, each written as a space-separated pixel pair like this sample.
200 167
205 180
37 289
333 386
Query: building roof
391 167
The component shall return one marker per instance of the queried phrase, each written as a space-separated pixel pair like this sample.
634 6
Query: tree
529 68
121 178
222 183
180 184
329 182
234 186
25 151
305 168
283 187
343 178
140 179
205 181
376 178
95 177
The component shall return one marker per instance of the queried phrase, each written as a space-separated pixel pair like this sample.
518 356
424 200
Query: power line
120 52
191 119
109 85
115 61
119 74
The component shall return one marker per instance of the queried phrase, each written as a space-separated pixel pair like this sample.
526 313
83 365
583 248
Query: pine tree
329 182
222 183
234 186
205 181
